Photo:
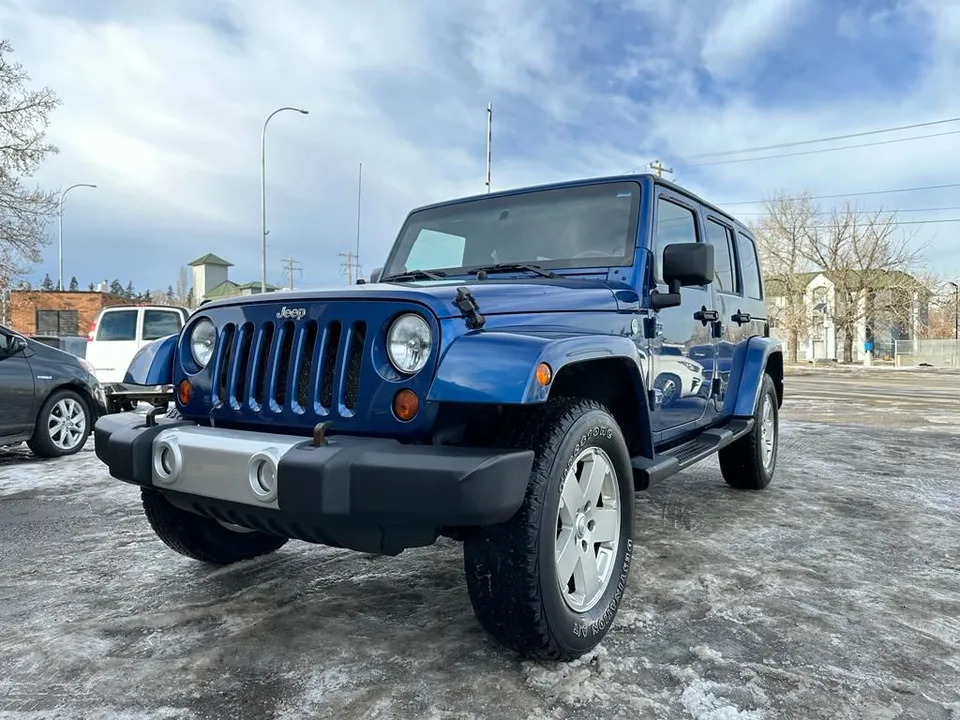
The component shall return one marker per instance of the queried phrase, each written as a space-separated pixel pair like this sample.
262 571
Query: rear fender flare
750 362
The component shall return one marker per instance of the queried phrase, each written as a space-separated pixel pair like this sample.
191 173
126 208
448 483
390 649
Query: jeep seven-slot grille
281 365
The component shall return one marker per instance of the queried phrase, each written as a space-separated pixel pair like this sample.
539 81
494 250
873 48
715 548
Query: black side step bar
683 456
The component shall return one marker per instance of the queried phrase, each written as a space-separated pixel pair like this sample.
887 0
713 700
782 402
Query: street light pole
60 229
263 195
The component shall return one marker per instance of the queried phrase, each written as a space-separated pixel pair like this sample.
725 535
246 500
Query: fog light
184 392
406 404
262 474
167 460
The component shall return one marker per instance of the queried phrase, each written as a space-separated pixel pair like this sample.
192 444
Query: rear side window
749 267
160 323
117 325
719 237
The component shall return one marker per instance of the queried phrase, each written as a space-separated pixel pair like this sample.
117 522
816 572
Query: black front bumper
368 481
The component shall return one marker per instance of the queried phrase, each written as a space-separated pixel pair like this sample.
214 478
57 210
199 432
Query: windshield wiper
416 275
506 267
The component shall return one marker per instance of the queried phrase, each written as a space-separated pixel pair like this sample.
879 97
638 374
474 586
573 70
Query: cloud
164 105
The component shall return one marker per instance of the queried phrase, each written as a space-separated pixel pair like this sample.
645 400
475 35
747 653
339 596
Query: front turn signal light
184 392
544 374
406 404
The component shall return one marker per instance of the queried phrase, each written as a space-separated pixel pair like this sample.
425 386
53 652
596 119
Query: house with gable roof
211 280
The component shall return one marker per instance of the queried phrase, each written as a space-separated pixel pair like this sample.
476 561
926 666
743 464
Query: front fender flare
746 374
153 363
499 367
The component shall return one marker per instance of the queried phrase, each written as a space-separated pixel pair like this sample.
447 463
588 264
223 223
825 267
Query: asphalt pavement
833 594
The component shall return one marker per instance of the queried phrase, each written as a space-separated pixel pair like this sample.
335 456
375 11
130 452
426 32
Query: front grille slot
224 355
351 385
258 377
309 368
283 363
328 365
305 356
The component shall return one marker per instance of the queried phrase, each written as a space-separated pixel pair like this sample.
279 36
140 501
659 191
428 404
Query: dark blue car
496 382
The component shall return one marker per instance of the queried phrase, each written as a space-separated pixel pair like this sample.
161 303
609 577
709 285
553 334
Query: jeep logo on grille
286 313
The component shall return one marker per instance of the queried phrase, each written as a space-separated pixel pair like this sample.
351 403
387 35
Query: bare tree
869 263
783 236
24 211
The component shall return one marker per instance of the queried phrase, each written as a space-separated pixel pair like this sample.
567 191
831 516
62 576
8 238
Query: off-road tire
510 568
741 462
41 444
201 538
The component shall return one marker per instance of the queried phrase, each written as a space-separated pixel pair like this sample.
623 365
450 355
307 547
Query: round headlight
408 343
202 339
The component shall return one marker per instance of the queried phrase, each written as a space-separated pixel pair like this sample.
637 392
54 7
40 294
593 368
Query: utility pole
956 309
489 142
290 266
350 262
660 169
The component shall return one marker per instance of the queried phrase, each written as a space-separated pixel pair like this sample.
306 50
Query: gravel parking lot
833 594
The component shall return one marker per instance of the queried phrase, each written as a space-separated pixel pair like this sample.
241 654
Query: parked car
49 399
493 386
116 336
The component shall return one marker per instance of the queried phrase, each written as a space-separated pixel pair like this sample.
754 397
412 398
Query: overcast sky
163 105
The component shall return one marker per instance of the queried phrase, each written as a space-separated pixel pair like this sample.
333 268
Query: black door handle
740 317
705 316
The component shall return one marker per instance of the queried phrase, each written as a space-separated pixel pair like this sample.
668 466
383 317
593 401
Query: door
752 296
114 343
729 303
680 392
16 389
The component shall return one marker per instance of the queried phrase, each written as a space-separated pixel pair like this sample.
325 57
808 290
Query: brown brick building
36 312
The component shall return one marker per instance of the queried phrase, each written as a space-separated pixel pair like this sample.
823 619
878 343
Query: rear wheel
749 463
548 582
201 538
63 425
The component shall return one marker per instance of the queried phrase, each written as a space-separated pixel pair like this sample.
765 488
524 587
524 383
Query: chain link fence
938 353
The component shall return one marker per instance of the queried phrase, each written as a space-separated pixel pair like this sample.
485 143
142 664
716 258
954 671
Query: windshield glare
578 227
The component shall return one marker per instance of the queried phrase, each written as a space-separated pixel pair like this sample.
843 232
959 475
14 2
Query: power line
895 222
894 210
853 194
825 150
823 139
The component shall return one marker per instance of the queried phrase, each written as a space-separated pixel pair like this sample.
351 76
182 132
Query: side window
434 249
675 224
160 323
117 325
749 267
719 237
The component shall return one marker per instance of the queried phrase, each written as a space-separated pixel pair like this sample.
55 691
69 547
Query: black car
49 399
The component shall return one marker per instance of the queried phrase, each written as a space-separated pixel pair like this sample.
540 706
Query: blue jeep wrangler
495 383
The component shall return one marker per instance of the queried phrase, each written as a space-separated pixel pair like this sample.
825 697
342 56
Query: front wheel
63 425
548 582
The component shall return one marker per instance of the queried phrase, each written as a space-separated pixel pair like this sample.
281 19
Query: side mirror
684 265
17 344
375 275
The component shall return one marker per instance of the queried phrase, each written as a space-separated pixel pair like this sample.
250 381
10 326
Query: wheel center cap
581 526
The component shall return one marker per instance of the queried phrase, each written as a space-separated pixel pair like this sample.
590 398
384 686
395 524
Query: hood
493 296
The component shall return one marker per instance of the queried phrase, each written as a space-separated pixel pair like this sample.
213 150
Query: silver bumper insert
233 465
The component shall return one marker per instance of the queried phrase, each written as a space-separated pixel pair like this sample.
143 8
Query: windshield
577 227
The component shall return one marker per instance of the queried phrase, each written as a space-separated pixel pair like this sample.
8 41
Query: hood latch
468 307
